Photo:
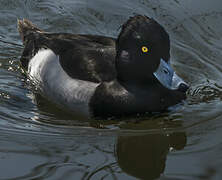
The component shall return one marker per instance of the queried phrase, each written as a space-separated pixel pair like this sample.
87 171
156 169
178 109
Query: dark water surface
39 141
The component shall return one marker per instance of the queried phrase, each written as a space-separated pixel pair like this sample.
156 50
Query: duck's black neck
135 84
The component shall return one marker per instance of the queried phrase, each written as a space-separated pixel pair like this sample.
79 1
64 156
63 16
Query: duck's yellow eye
144 49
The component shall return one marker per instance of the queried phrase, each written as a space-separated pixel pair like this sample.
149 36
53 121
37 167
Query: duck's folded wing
90 64
84 57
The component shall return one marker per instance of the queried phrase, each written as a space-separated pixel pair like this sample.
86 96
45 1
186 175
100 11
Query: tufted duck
101 76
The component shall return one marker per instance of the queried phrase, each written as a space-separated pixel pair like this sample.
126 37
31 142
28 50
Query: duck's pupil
144 49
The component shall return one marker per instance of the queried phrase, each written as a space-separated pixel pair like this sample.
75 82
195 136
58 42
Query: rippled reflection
145 156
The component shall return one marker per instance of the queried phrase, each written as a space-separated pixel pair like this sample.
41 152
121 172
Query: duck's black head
143 54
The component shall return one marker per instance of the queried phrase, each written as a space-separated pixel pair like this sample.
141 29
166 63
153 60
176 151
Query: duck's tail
25 27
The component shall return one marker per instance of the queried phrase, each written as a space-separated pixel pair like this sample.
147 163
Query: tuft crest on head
141 27
143 32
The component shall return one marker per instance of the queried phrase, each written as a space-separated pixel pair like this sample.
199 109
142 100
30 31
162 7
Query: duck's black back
85 57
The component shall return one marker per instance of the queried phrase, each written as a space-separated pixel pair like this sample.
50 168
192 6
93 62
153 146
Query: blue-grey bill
167 77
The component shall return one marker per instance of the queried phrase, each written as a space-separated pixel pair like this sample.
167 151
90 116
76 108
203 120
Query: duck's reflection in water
139 155
145 156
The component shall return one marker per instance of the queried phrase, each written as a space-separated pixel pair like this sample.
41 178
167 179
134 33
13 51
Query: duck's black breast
85 57
119 100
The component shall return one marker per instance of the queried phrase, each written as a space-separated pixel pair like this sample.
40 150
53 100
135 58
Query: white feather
45 70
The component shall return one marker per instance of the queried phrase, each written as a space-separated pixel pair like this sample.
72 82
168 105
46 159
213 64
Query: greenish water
40 141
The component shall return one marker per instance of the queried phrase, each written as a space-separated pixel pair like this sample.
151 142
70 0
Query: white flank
45 69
